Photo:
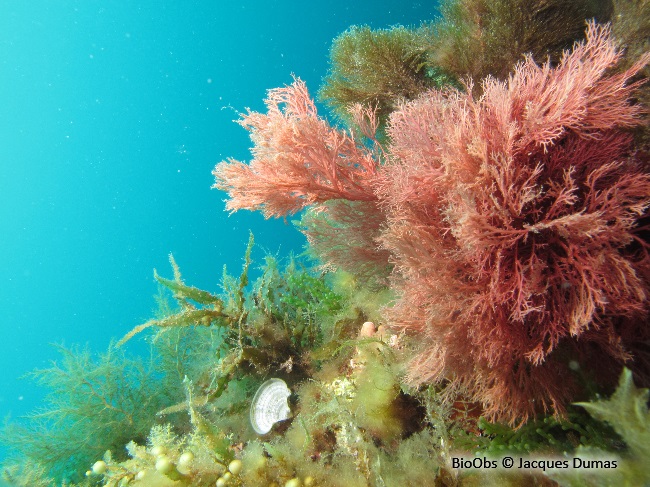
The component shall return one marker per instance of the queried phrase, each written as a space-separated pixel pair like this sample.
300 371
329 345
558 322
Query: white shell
270 405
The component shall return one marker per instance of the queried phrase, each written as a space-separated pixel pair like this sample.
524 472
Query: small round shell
270 405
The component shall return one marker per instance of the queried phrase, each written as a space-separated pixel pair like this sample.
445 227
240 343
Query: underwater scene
288 244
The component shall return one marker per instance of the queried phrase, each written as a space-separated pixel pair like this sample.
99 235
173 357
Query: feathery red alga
298 159
512 225
511 220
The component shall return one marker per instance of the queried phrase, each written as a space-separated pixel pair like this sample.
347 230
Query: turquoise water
112 116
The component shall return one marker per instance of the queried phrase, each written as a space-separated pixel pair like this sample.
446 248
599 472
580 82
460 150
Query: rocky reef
475 284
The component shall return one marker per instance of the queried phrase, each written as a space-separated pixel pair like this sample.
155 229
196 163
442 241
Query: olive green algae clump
352 422
94 404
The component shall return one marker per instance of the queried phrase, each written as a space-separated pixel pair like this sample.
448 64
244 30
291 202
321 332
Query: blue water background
112 116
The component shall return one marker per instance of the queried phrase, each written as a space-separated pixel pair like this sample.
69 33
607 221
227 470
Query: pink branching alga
511 220
298 159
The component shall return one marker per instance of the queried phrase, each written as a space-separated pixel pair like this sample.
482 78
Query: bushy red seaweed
511 220
299 159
